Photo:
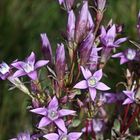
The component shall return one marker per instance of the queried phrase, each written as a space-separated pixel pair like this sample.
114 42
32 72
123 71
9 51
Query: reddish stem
132 119
125 116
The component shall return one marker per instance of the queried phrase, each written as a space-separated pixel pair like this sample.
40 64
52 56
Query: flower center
4 68
130 54
52 114
92 81
28 67
64 137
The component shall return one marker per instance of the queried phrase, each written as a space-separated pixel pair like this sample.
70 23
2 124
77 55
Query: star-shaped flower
91 82
63 136
28 67
53 114
108 37
130 97
126 56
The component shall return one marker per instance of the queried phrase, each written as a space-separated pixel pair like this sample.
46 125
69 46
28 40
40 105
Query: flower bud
71 26
85 49
81 24
138 25
46 48
60 63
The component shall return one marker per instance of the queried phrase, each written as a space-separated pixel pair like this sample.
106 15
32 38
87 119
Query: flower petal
41 63
44 122
18 64
123 60
102 86
117 55
112 32
81 85
74 135
19 73
92 92
31 58
53 103
41 111
65 112
51 136
61 125
121 40
86 73
127 101
33 75
130 94
98 75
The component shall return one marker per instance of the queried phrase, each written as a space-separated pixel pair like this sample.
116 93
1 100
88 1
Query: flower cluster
71 107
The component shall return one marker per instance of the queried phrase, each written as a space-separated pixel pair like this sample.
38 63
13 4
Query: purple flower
28 67
85 49
108 41
130 97
23 136
81 23
91 82
126 56
60 63
93 59
108 38
53 114
46 47
63 136
4 70
71 26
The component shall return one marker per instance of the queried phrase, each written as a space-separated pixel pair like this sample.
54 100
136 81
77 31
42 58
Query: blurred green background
21 23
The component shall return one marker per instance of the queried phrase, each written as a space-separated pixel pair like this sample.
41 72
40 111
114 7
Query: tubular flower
71 26
130 97
91 82
60 63
4 70
63 136
81 23
86 48
126 56
53 114
28 67
46 47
